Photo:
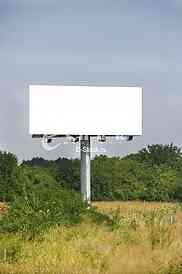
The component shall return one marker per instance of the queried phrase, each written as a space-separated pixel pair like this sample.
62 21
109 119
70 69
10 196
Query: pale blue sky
126 43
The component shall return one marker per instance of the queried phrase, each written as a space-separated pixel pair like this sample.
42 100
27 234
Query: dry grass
3 208
134 205
143 238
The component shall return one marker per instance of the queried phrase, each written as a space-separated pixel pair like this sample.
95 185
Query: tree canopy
153 174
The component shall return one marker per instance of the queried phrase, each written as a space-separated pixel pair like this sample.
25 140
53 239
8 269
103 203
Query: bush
41 208
9 177
33 177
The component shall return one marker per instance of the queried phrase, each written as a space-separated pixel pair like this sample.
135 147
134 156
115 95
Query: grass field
140 238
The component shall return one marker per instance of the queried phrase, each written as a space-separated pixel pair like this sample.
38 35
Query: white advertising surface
85 110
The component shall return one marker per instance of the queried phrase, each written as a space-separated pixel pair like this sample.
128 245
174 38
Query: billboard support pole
85 168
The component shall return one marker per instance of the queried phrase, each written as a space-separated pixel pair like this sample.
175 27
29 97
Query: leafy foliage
41 208
158 155
36 200
9 176
153 174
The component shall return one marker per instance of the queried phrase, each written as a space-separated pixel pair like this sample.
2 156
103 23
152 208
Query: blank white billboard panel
85 110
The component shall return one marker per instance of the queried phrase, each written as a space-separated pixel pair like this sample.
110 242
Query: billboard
85 110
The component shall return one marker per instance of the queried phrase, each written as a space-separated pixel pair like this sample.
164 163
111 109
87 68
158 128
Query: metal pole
85 168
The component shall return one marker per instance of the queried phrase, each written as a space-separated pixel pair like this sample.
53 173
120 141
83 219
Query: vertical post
85 167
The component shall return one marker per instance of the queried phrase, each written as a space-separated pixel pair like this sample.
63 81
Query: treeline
152 174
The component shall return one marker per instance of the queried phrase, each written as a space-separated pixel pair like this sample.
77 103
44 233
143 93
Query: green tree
9 176
160 154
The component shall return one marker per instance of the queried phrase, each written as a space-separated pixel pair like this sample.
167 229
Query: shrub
9 177
41 208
